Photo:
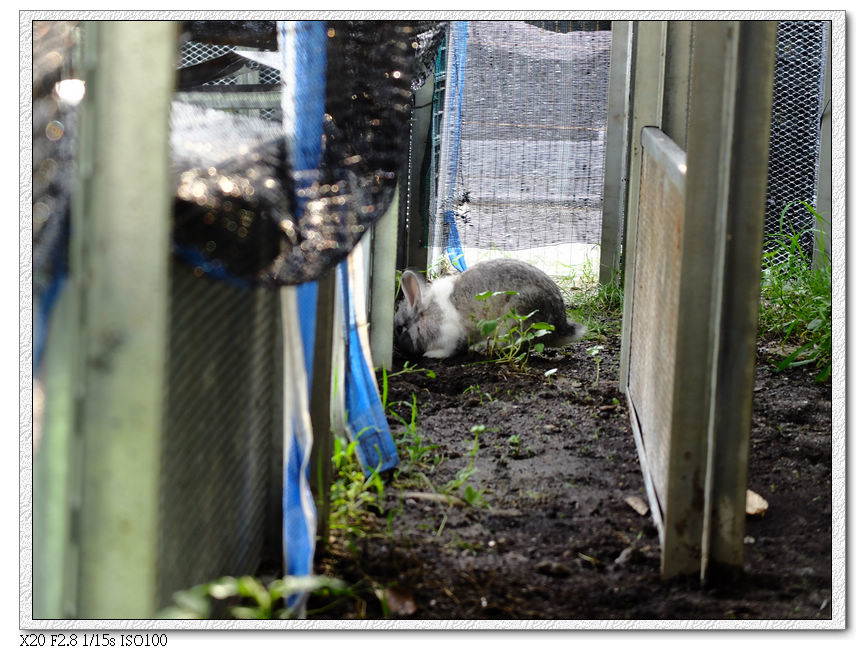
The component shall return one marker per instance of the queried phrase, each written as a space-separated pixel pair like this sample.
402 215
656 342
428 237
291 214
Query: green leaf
194 604
487 327
824 374
247 613
224 588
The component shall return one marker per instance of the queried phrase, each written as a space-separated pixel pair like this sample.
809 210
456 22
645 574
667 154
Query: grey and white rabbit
440 319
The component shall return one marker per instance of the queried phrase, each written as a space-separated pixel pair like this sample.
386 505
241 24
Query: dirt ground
551 535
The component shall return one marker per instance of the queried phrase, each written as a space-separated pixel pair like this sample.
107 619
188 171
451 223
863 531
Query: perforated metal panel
797 105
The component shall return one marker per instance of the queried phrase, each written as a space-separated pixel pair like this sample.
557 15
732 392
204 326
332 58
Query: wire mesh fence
797 107
194 52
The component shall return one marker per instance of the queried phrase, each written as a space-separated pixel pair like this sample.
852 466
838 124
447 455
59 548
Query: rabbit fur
440 319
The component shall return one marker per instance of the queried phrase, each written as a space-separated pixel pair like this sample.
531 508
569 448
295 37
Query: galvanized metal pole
383 286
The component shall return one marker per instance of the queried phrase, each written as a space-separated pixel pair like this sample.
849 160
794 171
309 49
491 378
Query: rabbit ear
412 287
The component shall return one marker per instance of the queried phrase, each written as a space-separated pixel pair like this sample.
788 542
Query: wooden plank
416 199
121 233
51 450
708 158
615 164
739 294
647 87
321 463
692 288
677 81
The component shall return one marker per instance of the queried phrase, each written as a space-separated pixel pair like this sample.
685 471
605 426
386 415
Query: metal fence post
119 271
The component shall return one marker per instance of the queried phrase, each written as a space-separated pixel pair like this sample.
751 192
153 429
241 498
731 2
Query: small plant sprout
470 494
517 449
595 353
512 338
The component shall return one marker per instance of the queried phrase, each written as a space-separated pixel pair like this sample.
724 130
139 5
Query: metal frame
824 165
697 489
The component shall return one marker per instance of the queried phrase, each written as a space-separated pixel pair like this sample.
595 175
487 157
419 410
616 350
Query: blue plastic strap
299 515
303 49
309 70
44 308
457 64
307 297
366 419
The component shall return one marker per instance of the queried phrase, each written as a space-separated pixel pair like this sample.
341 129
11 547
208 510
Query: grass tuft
796 297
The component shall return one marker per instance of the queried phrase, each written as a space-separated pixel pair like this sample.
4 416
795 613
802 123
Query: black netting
565 26
54 150
235 190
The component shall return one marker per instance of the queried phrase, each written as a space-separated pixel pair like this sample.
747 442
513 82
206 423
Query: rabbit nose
404 343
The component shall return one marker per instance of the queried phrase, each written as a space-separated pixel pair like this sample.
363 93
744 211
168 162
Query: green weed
796 303
470 494
354 498
247 597
597 306
512 338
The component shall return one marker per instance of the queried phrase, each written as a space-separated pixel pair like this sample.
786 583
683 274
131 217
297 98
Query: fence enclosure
642 146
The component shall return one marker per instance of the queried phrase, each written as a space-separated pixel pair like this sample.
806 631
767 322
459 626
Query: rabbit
440 319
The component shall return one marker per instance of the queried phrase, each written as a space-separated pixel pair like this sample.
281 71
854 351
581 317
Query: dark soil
556 538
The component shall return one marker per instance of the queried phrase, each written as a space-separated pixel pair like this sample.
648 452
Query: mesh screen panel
532 136
222 420
797 103
219 509
657 268
221 481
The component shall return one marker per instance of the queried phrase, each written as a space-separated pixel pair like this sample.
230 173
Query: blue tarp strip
44 307
457 63
307 297
303 45
366 419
